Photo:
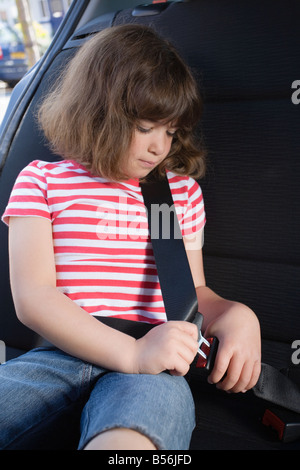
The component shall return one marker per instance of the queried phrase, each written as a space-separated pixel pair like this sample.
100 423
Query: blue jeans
47 395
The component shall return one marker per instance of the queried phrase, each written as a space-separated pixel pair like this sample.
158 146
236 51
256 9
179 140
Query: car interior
245 56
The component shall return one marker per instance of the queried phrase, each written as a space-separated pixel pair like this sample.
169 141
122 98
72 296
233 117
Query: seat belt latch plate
207 353
207 347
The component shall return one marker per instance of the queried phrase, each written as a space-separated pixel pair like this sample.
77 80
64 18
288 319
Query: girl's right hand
171 346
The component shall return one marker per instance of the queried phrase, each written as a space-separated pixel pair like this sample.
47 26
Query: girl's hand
171 346
239 351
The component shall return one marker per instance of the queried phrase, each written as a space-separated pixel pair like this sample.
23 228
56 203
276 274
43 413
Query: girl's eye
143 129
172 133
147 130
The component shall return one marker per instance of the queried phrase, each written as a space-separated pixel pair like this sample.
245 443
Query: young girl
80 250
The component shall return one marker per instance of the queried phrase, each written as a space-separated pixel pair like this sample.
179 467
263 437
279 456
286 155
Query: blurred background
26 30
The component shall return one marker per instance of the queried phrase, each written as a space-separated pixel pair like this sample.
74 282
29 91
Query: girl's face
150 145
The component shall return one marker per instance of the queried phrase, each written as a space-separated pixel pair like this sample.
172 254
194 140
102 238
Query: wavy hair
120 76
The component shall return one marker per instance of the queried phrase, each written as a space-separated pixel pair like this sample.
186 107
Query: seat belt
173 268
179 293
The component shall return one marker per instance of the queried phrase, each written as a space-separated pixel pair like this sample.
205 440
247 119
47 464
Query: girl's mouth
147 164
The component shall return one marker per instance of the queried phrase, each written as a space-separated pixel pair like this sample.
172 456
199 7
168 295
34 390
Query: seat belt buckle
285 422
207 353
207 347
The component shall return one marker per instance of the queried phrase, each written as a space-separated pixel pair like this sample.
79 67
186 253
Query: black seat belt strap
276 388
170 256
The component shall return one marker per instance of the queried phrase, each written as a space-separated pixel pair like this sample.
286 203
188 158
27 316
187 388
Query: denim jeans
47 395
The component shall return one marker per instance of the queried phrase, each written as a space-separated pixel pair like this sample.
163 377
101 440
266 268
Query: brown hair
121 75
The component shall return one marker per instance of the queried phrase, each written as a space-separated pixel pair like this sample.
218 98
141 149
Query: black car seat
246 56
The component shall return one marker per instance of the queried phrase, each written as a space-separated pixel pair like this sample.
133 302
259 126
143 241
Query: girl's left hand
238 361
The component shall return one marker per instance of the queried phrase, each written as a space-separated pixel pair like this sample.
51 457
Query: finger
184 335
242 384
248 378
187 327
183 346
255 374
220 367
180 368
190 345
232 376
183 354
187 351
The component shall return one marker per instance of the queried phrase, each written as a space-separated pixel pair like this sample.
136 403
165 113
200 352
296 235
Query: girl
124 110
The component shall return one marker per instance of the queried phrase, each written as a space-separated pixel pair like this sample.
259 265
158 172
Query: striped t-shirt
103 253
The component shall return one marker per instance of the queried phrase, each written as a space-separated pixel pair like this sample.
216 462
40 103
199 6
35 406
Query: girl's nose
159 145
